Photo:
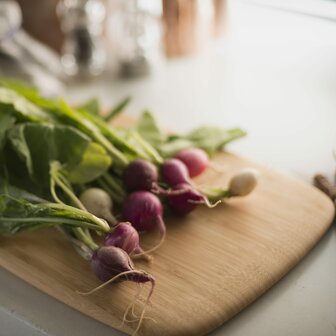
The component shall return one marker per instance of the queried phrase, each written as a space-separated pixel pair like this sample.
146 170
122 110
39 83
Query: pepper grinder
83 51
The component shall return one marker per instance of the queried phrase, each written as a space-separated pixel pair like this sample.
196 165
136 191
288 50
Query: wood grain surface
213 264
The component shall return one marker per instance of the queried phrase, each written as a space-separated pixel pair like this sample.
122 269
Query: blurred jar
188 25
220 20
134 35
83 51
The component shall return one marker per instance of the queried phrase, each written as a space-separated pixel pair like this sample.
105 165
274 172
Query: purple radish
174 172
184 203
144 210
181 204
125 237
108 262
112 264
140 175
195 159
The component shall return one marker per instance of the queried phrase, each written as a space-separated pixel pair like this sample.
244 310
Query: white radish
244 182
98 202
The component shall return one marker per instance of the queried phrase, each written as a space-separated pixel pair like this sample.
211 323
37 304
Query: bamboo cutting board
213 264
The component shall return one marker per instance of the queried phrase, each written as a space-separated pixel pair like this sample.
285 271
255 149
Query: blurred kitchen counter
275 75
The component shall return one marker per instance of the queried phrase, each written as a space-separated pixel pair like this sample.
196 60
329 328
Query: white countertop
274 75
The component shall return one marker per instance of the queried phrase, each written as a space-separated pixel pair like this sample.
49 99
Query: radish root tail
162 239
110 281
142 316
131 307
139 253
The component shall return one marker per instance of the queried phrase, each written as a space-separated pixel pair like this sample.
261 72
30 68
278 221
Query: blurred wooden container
39 20
190 24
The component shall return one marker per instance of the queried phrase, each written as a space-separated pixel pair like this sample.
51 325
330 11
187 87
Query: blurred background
111 37
266 65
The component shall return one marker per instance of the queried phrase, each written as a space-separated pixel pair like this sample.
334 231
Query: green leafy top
148 128
11 101
91 106
37 145
7 121
17 214
210 138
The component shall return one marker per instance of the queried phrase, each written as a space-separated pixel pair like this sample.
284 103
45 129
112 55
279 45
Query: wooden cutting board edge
329 207
292 265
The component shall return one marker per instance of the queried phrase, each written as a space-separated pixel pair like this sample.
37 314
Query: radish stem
206 202
85 238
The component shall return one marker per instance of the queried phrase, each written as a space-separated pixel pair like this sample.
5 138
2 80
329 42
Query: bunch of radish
69 168
149 188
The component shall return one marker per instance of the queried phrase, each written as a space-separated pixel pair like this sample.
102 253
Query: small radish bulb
98 202
140 175
196 160
144 210
126 237
174 172
244 182
123 236
108 262
112 264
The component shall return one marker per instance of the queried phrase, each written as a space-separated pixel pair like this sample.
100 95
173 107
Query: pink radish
195 159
